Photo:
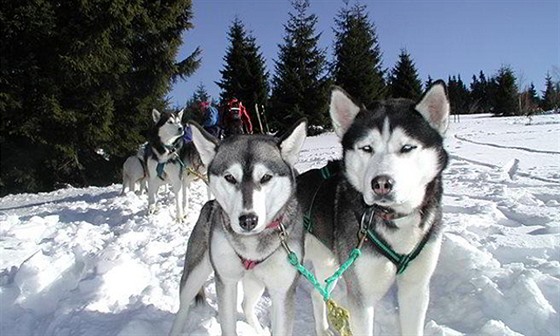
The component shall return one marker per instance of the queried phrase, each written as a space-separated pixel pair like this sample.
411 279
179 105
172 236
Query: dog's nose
382 185
180 129
248 221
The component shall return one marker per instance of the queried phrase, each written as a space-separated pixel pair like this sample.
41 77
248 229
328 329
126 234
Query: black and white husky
170 159
385 192
241 234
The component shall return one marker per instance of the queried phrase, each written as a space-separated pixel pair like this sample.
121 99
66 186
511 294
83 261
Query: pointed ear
343 110
434 106
205 143
290 143
155 115
180 114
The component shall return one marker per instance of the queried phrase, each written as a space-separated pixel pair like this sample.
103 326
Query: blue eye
408 148
367 149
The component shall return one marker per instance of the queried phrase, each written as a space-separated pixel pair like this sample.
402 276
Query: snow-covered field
90 262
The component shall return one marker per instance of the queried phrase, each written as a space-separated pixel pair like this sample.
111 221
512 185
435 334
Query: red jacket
245 119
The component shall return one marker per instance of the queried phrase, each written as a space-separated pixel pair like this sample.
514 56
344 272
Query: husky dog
133 173
385 193
245 233
170 159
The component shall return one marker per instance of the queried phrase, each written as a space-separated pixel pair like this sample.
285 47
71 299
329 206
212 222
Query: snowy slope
90 262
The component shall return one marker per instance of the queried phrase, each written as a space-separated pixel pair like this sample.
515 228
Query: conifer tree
480 97
300 84
357 57
192 107
551 94
458 95
403 80
505 93
244 73
529 100
79 80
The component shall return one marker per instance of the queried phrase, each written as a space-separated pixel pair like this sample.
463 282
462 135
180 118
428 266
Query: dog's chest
375 274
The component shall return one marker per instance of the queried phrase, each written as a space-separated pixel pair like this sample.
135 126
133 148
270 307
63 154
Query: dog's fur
237 235
400 143
133 174
166 146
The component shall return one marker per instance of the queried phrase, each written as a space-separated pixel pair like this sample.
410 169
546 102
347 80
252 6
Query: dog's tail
200 297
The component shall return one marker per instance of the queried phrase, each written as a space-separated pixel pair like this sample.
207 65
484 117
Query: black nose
382 185
180 129
248 222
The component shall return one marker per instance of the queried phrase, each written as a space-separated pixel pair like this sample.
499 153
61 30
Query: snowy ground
90 262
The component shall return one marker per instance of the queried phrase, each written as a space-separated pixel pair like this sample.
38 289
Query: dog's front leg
414 289
226 290
413 303
361 316
283 310
186 186
153 186
253 289
178 191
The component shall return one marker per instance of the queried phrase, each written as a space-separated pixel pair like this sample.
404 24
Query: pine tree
458 95
404 81
192 107
79 79
480 98
505 93
529 100
357 57
551 94
244 74
300 85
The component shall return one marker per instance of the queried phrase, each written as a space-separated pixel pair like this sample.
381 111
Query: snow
91 262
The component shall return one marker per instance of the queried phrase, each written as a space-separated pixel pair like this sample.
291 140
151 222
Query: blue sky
443 37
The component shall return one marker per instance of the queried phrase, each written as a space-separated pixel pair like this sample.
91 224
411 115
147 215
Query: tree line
78 81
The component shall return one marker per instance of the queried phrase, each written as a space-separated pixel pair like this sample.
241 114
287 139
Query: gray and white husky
385 193
246 231
170 159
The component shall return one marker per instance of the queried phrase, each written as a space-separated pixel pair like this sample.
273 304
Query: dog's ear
180 114
291 142
434 106
343 110
205 143
155 115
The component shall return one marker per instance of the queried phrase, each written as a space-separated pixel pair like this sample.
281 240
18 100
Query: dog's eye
230 179
367 149
408 148
266 178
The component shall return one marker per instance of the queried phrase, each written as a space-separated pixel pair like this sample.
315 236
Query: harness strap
400 260
308 222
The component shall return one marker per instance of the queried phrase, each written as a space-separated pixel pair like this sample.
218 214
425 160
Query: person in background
210 119
236 119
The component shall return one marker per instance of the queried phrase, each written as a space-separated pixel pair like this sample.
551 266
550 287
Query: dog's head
395 149
168 125
251 176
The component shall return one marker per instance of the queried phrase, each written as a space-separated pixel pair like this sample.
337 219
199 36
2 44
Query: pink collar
275 223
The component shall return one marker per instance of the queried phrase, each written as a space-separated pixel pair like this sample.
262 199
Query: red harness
250 264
